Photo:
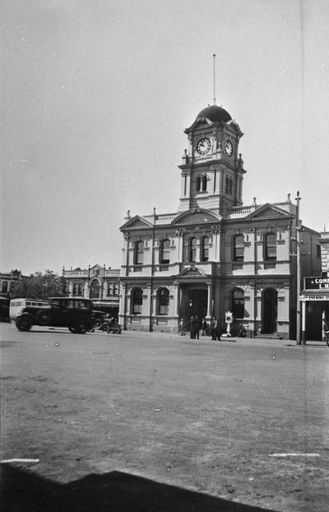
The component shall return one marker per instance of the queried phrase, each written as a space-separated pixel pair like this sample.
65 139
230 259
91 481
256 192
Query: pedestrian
192 328
214 329
204 326
197 327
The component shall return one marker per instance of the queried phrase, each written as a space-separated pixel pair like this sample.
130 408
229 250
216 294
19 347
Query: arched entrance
270 310
194 302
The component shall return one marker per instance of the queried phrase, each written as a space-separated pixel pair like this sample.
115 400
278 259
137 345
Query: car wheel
23 324
97 323
81 326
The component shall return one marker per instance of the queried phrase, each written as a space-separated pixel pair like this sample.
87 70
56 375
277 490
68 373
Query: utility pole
298 317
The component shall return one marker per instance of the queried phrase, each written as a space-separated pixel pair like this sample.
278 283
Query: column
303 322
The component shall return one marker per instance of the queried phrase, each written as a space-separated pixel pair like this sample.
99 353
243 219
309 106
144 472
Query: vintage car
75 314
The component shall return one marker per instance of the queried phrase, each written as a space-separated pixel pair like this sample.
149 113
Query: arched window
138 253
238 303
136 301
198 184
204 181
205 248
189 254
238 248
163 301
164 254
270 247
192 249
95 289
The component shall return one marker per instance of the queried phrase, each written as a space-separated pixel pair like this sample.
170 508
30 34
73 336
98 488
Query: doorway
270 310
194 303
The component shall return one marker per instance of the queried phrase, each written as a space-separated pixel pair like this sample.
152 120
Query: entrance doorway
194 303
270 310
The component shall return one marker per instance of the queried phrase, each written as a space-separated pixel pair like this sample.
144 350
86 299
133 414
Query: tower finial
214 76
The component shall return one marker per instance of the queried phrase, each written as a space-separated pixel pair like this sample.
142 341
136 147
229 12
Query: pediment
192 271
136 222
196 216
268 211
202 121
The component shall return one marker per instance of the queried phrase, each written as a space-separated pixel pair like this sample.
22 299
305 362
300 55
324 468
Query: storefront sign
304 298
316 283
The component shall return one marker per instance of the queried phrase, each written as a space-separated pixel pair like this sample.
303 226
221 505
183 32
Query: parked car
110 325
75 314
98 318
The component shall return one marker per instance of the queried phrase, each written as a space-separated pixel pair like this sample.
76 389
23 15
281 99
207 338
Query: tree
40 286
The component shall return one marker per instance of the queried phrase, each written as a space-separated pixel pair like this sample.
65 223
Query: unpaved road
242 422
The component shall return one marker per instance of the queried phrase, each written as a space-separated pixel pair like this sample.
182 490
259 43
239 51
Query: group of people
197 325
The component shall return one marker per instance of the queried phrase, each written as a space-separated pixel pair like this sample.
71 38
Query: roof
215 114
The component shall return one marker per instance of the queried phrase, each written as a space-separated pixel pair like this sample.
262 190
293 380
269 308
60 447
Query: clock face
203 146
228 146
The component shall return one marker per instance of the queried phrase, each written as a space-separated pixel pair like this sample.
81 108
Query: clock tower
212 169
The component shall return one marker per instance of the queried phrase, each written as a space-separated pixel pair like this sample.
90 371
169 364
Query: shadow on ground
23 491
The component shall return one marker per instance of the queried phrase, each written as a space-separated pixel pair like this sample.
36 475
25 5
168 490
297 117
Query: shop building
98 283
214 254
315 297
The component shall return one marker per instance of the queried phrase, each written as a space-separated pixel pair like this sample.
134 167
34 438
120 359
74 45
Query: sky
95 97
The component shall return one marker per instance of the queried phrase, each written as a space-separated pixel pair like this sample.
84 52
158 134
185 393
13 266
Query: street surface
241 422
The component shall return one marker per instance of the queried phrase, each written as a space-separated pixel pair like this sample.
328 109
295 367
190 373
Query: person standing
192 328
197 327
214 329
204 326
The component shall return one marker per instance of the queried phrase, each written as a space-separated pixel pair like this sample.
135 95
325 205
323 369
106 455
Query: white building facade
214 254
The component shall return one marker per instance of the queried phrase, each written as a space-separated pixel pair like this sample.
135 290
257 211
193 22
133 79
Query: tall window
4 286
163 301
238 303
205 248
95 289
138 253
270 247
228 185
192 249
164 255
189 249
136 301
201 183
238 248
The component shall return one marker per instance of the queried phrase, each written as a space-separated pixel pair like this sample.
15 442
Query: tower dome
215 114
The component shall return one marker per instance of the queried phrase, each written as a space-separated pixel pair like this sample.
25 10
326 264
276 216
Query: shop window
164 255
238 248
238 303
163 301
205 248
138 253
270 247
136 301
